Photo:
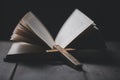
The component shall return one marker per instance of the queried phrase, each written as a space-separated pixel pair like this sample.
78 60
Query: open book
31 36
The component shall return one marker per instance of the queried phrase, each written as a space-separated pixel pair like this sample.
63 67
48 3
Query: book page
38 28
75 25
24 48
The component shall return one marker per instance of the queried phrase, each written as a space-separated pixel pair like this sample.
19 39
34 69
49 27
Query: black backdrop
105 13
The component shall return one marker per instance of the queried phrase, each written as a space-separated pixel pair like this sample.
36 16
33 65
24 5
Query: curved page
38 28
74 26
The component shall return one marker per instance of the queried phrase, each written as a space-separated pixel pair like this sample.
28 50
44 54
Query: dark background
105 13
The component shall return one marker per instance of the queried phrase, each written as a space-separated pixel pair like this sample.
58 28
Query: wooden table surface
108 68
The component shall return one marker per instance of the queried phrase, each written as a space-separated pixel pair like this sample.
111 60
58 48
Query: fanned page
74 26
38 28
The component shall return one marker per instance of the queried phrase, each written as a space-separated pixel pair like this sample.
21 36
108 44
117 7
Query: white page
74 26
24 48
39 29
